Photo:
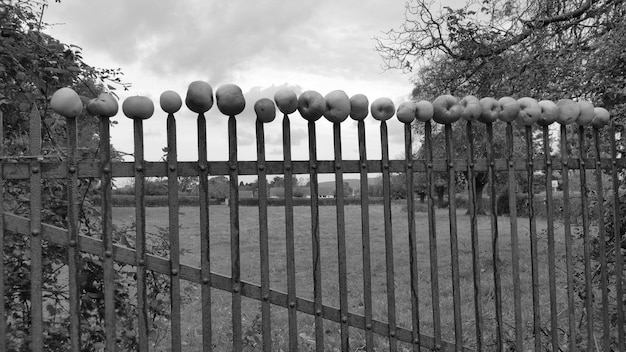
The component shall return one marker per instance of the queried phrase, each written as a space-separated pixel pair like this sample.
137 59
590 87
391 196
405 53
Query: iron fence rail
417 335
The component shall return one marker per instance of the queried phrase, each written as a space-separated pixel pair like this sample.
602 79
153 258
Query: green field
250 271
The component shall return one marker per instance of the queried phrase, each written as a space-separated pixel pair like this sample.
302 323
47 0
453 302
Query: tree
219 188
33 65
279 181
544 49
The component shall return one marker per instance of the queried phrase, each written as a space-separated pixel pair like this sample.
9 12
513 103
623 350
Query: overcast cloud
261 46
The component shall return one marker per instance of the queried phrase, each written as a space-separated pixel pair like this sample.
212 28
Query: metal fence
512 303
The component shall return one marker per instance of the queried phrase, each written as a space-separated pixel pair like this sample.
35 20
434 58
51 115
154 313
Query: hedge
119 200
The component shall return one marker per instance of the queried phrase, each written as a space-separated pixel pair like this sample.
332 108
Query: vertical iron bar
586 243
478 309
263 240
534 255
432 236
289 237
567 232
454 245
205 245
36 269
235 250
315 239
140 239
173 204
341 239
107 235
73 223
495 237
410 210
551 249
617 234
601 241
3 315
365 234
391 295
512 182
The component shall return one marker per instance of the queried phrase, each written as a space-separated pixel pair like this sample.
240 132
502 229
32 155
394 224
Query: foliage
544 49
219 187
33 65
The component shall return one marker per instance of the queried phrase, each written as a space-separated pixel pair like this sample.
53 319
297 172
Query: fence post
586 240
107 235
410 210
173 207
533 237
36 270
266 319
554 332
568 238
73 223
205 243
478 309
618 241
454 245
289 235
432 236
601 240
3 314
140 236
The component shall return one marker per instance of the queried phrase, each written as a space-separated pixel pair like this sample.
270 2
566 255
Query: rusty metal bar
365 237
173 209
140 239
454 244
36 255
107 235
266 318
341 239
289 237
567 232
235 250
586 240
410 211
73 224
391 295
554 327
512 182
619 258
315 239
205 243
601 243
495 238
534 255
18 169
432 235
471 177
3 314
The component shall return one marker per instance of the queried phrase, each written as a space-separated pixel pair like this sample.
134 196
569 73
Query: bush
280 202
540 205
119 200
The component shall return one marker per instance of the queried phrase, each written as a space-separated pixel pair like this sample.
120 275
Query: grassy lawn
249 227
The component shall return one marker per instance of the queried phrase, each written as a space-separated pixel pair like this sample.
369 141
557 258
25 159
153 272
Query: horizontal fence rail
544 274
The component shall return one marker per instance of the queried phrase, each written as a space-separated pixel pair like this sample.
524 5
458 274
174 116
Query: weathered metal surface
140 238
173 208
107 235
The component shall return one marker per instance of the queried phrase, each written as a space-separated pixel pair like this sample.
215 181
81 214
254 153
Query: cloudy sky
261 45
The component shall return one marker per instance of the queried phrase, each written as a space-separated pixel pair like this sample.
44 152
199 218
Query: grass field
249 228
